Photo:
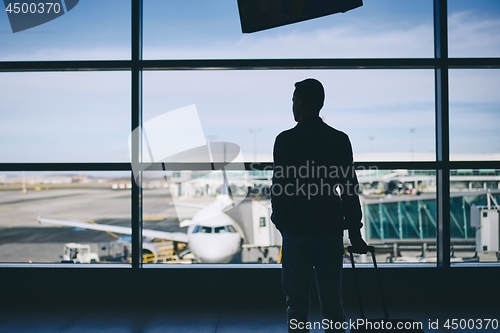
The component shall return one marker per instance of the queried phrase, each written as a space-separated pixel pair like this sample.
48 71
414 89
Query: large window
141 131
394 120
474 110
44 217
92 30
65 117
205 30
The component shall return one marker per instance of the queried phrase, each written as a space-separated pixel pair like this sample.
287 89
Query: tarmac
23 239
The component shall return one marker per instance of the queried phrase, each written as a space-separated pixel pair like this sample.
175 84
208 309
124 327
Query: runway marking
112 234
5 208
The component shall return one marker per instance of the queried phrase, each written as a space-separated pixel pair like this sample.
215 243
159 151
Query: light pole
412 131
24 190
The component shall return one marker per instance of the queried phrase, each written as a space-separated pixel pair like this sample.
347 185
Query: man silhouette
314 198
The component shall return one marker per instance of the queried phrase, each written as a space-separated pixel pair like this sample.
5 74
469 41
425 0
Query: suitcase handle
371 249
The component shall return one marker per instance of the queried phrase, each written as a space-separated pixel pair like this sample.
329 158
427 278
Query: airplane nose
214 249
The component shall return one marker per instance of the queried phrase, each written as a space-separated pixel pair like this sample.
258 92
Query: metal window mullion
442 132
69 166
249 166
136 201
245 64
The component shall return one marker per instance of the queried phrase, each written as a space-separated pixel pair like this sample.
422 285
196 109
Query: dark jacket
310 161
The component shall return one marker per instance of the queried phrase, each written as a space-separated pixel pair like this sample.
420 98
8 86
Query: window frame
440 63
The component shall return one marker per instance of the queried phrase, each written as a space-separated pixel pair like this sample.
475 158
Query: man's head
308 99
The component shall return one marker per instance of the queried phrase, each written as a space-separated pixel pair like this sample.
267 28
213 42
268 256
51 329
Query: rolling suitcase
382 324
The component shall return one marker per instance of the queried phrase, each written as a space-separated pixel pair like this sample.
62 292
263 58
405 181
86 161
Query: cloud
474 86
471 35
353 40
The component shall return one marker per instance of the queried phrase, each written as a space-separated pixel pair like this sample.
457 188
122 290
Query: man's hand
359 246
357 242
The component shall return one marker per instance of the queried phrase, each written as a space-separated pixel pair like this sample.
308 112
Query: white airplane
212 235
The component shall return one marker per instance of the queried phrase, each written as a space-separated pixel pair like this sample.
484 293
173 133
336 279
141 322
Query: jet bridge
262 240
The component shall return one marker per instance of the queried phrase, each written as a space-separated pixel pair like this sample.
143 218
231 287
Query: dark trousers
301 256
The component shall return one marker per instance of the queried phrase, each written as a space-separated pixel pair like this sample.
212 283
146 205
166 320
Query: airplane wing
172 236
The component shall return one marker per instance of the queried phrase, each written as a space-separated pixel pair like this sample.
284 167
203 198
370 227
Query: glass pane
475 198
92 30
65 117
211 30
194 217
389 115
474 110
474 27
50 217
399 214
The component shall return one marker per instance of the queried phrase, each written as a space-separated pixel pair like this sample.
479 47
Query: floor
219 317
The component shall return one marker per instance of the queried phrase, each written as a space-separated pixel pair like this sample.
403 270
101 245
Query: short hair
311 94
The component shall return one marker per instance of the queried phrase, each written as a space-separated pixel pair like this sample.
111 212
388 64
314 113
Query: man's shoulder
335 132
323 127
285 134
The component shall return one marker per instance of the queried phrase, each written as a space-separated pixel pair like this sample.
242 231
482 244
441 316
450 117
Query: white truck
79 254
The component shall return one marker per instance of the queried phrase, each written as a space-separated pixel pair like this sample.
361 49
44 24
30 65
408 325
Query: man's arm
278 199
351 207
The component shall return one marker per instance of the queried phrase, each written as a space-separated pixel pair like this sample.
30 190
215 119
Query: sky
85 117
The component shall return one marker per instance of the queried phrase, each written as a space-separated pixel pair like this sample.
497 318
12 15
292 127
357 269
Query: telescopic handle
370 249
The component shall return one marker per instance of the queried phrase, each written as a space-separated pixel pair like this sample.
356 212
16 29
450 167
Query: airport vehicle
79 253
486 221
212 236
